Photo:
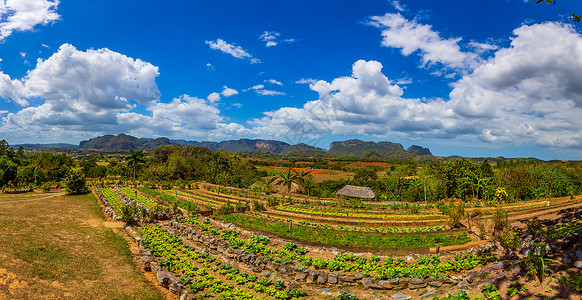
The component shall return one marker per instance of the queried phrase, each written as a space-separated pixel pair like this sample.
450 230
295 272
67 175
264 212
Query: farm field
54 246
319 175
227 257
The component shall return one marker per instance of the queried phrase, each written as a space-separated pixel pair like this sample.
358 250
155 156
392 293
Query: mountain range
348 148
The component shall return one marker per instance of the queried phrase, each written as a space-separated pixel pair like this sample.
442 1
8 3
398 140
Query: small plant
346 296
515 288
290 246
536 262
490 292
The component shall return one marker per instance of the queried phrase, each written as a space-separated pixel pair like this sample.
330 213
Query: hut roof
356 192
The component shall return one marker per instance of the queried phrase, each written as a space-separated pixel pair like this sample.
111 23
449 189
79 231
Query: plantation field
319 175
54 246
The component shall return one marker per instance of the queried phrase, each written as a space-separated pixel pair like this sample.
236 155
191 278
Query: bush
75 183
500 220
127 214
509 239
258 206
456 212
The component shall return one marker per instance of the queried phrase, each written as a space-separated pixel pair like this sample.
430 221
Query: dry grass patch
54 246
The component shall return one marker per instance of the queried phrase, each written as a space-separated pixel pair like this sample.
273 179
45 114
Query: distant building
359 192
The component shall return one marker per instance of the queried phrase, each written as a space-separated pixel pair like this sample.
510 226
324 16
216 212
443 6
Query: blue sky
471 78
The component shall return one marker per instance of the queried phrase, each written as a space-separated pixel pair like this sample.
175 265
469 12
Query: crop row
349 214
386 209
387 268
377 229
202 272
139 198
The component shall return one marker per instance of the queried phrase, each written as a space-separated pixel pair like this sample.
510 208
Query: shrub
500 220
75 183
456 213
509 239
258 206
126 214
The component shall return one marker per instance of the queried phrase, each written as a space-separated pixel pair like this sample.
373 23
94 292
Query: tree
135 158
75 182
302 177
366 174
287 178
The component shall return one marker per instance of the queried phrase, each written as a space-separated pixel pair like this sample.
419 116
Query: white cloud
46 46
411 37
227 92
210 67
289 41
23 54
396 4
270 38
235 51
273 81
306 81
24 15
257 87
269 93
213 97
527 94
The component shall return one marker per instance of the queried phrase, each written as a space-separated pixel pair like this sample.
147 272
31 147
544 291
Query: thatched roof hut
352 191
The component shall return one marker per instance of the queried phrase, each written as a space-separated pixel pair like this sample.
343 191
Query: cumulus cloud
306 81
273 81
227 92
413 37
24 15
213 97
528 93
235 51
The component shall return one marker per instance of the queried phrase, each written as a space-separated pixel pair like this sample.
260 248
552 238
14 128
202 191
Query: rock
567 260
347 279
332 278
187 296
525 250
401 296
470 276
384 284
267 274
176 288
368 282
334 250
154 266
311 276
145 261
578 264
498 266
164 278
417 283
457 278
322 278
301 276
326 291
359 276
293 284
437 282
431 294
579 254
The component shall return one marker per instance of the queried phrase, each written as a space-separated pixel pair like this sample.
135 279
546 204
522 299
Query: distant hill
361 149
350 148
47 146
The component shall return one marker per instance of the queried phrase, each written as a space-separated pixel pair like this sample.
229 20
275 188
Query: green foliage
514 288
346 296
536 261
456 212
75 182
509 239
127 214
574 282
490 292
500 220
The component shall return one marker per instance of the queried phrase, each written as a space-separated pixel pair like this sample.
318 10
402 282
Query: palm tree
301 177
135 158
268 182
287 178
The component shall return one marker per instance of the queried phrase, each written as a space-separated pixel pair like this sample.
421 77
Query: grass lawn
56 246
